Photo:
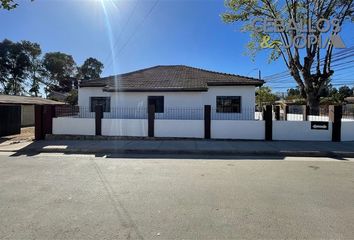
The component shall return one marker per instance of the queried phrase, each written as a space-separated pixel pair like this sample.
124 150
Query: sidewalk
198 147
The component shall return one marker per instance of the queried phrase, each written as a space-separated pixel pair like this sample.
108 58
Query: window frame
106 106
158 109
221 109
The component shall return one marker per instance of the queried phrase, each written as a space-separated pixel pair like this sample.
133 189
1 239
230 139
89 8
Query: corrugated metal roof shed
24 100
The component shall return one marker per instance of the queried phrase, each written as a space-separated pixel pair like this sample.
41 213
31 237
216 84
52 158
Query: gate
10 120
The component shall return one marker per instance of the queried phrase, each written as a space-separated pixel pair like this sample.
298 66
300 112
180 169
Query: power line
122 30
335 67
335 57
136 30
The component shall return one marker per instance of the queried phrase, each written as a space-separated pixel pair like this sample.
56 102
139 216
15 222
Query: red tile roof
169 78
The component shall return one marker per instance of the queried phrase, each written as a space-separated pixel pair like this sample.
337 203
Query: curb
331 154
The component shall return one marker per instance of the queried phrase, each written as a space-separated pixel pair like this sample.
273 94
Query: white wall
179 128
172 99
27 115
125 127
347 131
74 126
247 130
299 131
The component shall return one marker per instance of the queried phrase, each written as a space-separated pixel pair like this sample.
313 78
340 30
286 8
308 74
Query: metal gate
10 120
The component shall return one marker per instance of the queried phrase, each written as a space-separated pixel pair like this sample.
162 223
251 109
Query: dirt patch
26 135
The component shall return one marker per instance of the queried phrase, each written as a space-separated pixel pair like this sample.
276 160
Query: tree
293 93
264 96
14 65
91 69
283 34
35 70
9 4
60 71
344 92
4 63
72 99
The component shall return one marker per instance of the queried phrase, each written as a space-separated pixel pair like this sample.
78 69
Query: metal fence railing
73 111
243 114
297 113
348 112
181 114
127 113
197 113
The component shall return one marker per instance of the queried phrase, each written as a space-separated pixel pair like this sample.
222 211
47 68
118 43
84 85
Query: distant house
27 106
169 87
349 100
58 96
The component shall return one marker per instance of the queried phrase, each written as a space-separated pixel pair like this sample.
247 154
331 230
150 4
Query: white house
182 98
172 87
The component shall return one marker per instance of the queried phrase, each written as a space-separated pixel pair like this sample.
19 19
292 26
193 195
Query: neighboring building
349 100
171 87
27 106
58 96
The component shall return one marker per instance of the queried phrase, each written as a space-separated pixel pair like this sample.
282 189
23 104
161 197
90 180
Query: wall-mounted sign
319 125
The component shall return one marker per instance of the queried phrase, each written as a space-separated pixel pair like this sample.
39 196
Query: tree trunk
313 101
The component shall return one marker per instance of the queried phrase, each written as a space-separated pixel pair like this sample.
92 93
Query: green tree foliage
23 70
264 96
61 71
35 69
72 99
14 65
293 93
305 65
19 62
330 95
345 92
91 69
9 4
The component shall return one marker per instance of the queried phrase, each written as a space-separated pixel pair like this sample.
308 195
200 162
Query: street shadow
3 139
84 148
184 156
37 147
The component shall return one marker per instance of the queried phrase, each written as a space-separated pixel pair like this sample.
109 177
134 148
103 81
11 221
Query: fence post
305 112
335 116
277 113
151 120
286 111
48 115
268 118
98 119
38 122
207 121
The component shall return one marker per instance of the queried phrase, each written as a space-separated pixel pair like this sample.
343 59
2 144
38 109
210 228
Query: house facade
186 102
171 87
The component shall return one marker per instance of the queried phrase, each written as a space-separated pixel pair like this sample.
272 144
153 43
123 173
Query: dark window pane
158 101
104 101
228 104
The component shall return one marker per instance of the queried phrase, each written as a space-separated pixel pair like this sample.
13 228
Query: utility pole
259 74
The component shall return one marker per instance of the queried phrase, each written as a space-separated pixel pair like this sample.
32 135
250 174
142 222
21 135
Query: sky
127 35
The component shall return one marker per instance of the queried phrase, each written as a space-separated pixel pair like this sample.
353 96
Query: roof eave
92 85
258 84
156 90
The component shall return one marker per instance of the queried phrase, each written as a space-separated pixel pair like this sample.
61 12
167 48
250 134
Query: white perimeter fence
225 128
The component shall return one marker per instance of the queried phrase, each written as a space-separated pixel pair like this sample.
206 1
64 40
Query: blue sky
175 32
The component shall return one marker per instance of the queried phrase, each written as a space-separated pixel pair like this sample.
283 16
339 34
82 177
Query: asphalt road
85 197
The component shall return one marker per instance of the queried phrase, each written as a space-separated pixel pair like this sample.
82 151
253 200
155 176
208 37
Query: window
228 104
158 101
104 101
